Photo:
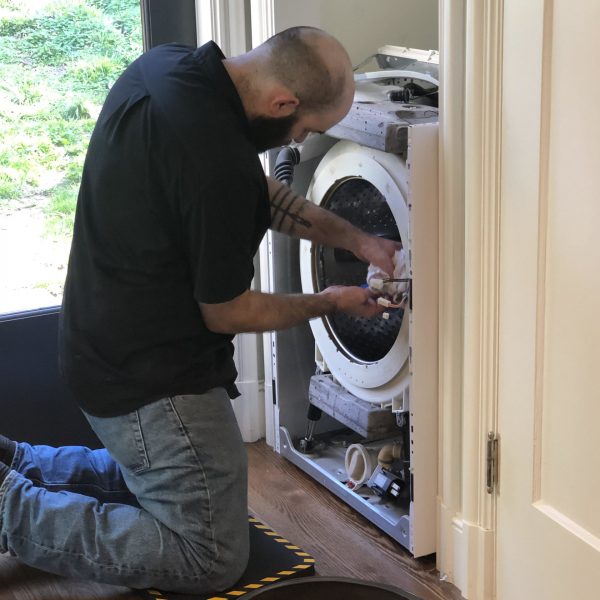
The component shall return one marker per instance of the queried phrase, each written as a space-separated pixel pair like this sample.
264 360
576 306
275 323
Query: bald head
297 82
312 64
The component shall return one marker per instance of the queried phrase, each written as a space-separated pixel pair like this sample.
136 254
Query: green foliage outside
58 59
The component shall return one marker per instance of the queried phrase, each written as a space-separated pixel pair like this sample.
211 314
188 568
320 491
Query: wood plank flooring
342 542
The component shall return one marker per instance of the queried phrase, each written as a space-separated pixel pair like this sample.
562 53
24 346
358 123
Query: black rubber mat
273 559
330 588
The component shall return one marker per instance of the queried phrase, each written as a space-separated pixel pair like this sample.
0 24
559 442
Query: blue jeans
164 506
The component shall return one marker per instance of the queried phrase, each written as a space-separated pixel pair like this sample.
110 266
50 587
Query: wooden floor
342 542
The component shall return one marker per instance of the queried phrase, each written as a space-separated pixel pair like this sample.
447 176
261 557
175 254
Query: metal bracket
492 463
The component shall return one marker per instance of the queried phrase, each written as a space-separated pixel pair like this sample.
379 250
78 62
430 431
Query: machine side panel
423 205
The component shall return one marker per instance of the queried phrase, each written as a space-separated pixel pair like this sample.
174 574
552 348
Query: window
58 59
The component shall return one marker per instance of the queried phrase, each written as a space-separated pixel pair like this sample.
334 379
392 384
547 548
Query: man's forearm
298 217
258 312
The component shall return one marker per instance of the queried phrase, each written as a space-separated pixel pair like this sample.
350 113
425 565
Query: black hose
285 162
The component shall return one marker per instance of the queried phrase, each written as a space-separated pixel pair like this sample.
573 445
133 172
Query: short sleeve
222 225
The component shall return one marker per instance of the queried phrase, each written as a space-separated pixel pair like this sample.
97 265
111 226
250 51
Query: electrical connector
385 484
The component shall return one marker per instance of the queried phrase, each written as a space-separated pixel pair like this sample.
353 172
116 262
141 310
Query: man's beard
268 132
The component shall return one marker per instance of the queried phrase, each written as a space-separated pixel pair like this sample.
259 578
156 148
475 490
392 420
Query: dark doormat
330 588
272 559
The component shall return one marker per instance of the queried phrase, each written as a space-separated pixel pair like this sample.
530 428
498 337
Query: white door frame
223 21
470 145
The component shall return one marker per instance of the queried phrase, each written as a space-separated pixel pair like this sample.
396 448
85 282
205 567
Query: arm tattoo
286 208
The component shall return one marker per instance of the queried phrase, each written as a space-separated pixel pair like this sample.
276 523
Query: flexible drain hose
285 162
388 454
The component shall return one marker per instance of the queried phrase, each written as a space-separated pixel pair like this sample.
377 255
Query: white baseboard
465 555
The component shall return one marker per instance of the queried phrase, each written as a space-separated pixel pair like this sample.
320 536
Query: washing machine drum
367 188
358 201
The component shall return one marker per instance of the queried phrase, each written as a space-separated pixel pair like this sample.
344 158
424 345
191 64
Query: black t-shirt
172 207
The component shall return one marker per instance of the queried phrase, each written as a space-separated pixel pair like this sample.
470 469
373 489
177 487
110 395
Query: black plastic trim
166 22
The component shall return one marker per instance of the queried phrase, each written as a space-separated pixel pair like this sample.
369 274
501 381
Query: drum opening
360 202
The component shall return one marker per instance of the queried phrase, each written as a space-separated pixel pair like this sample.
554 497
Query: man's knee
207 571
231 561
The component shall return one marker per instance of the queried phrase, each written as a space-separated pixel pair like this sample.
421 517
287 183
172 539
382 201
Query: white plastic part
383 380
376 283
360 462
320 361
401 402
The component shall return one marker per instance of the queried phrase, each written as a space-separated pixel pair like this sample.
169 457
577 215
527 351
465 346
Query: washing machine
355 399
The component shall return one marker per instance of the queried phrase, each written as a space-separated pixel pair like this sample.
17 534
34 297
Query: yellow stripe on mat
217 598
271 579
285 573
236 593
254 586
282 540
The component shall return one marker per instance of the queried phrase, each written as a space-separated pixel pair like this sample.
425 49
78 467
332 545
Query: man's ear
282 104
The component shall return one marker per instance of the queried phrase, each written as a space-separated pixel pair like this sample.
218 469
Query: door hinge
492 463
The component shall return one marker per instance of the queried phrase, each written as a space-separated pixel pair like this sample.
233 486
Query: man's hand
255 311
377 251
355 301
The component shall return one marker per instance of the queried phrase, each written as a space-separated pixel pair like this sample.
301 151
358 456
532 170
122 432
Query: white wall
363 26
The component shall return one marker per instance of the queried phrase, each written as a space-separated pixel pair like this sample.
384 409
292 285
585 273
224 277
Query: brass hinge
492 463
